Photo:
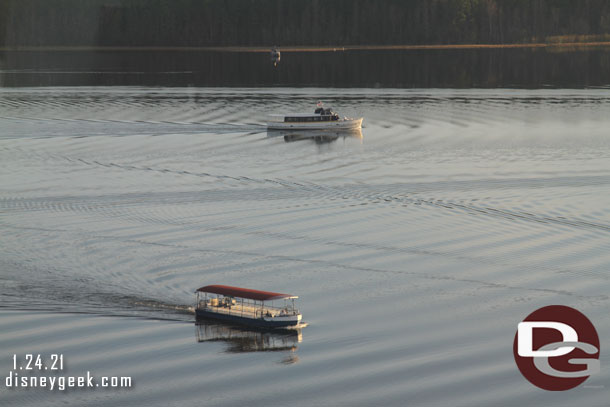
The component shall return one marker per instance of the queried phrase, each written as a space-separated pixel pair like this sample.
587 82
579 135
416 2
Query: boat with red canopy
247 306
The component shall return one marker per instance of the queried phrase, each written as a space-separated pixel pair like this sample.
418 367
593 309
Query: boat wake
298 326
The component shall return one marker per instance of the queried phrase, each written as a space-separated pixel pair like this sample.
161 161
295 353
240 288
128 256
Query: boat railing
269 311
303 117
246 309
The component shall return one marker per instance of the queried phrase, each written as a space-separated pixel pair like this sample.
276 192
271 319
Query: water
416 246
424 68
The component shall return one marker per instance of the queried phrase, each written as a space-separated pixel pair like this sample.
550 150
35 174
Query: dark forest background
297 22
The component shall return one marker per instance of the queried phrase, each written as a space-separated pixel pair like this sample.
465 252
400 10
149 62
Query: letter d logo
556 348
525 338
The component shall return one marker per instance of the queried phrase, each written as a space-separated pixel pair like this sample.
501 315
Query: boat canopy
244 293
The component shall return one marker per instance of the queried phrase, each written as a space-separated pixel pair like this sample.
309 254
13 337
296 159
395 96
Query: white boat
246 306
321 119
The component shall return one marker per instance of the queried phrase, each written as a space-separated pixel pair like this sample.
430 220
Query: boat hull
257 322
326 125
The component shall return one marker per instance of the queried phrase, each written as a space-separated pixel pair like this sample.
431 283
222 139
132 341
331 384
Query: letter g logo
556 348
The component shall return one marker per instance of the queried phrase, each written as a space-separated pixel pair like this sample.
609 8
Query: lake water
416 246
424 68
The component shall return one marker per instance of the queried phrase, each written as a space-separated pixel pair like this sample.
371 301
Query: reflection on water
242 339
317 136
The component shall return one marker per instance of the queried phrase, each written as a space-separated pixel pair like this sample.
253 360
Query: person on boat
320 109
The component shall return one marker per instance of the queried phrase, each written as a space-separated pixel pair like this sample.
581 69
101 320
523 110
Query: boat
247 306
321 119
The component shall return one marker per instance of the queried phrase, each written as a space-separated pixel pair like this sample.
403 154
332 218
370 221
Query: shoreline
303 48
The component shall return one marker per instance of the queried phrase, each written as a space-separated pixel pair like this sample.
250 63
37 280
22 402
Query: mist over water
416 246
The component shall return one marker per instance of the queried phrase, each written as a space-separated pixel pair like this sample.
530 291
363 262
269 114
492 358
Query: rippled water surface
416 246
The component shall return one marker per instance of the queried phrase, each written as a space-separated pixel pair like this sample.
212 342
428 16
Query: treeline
295 22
